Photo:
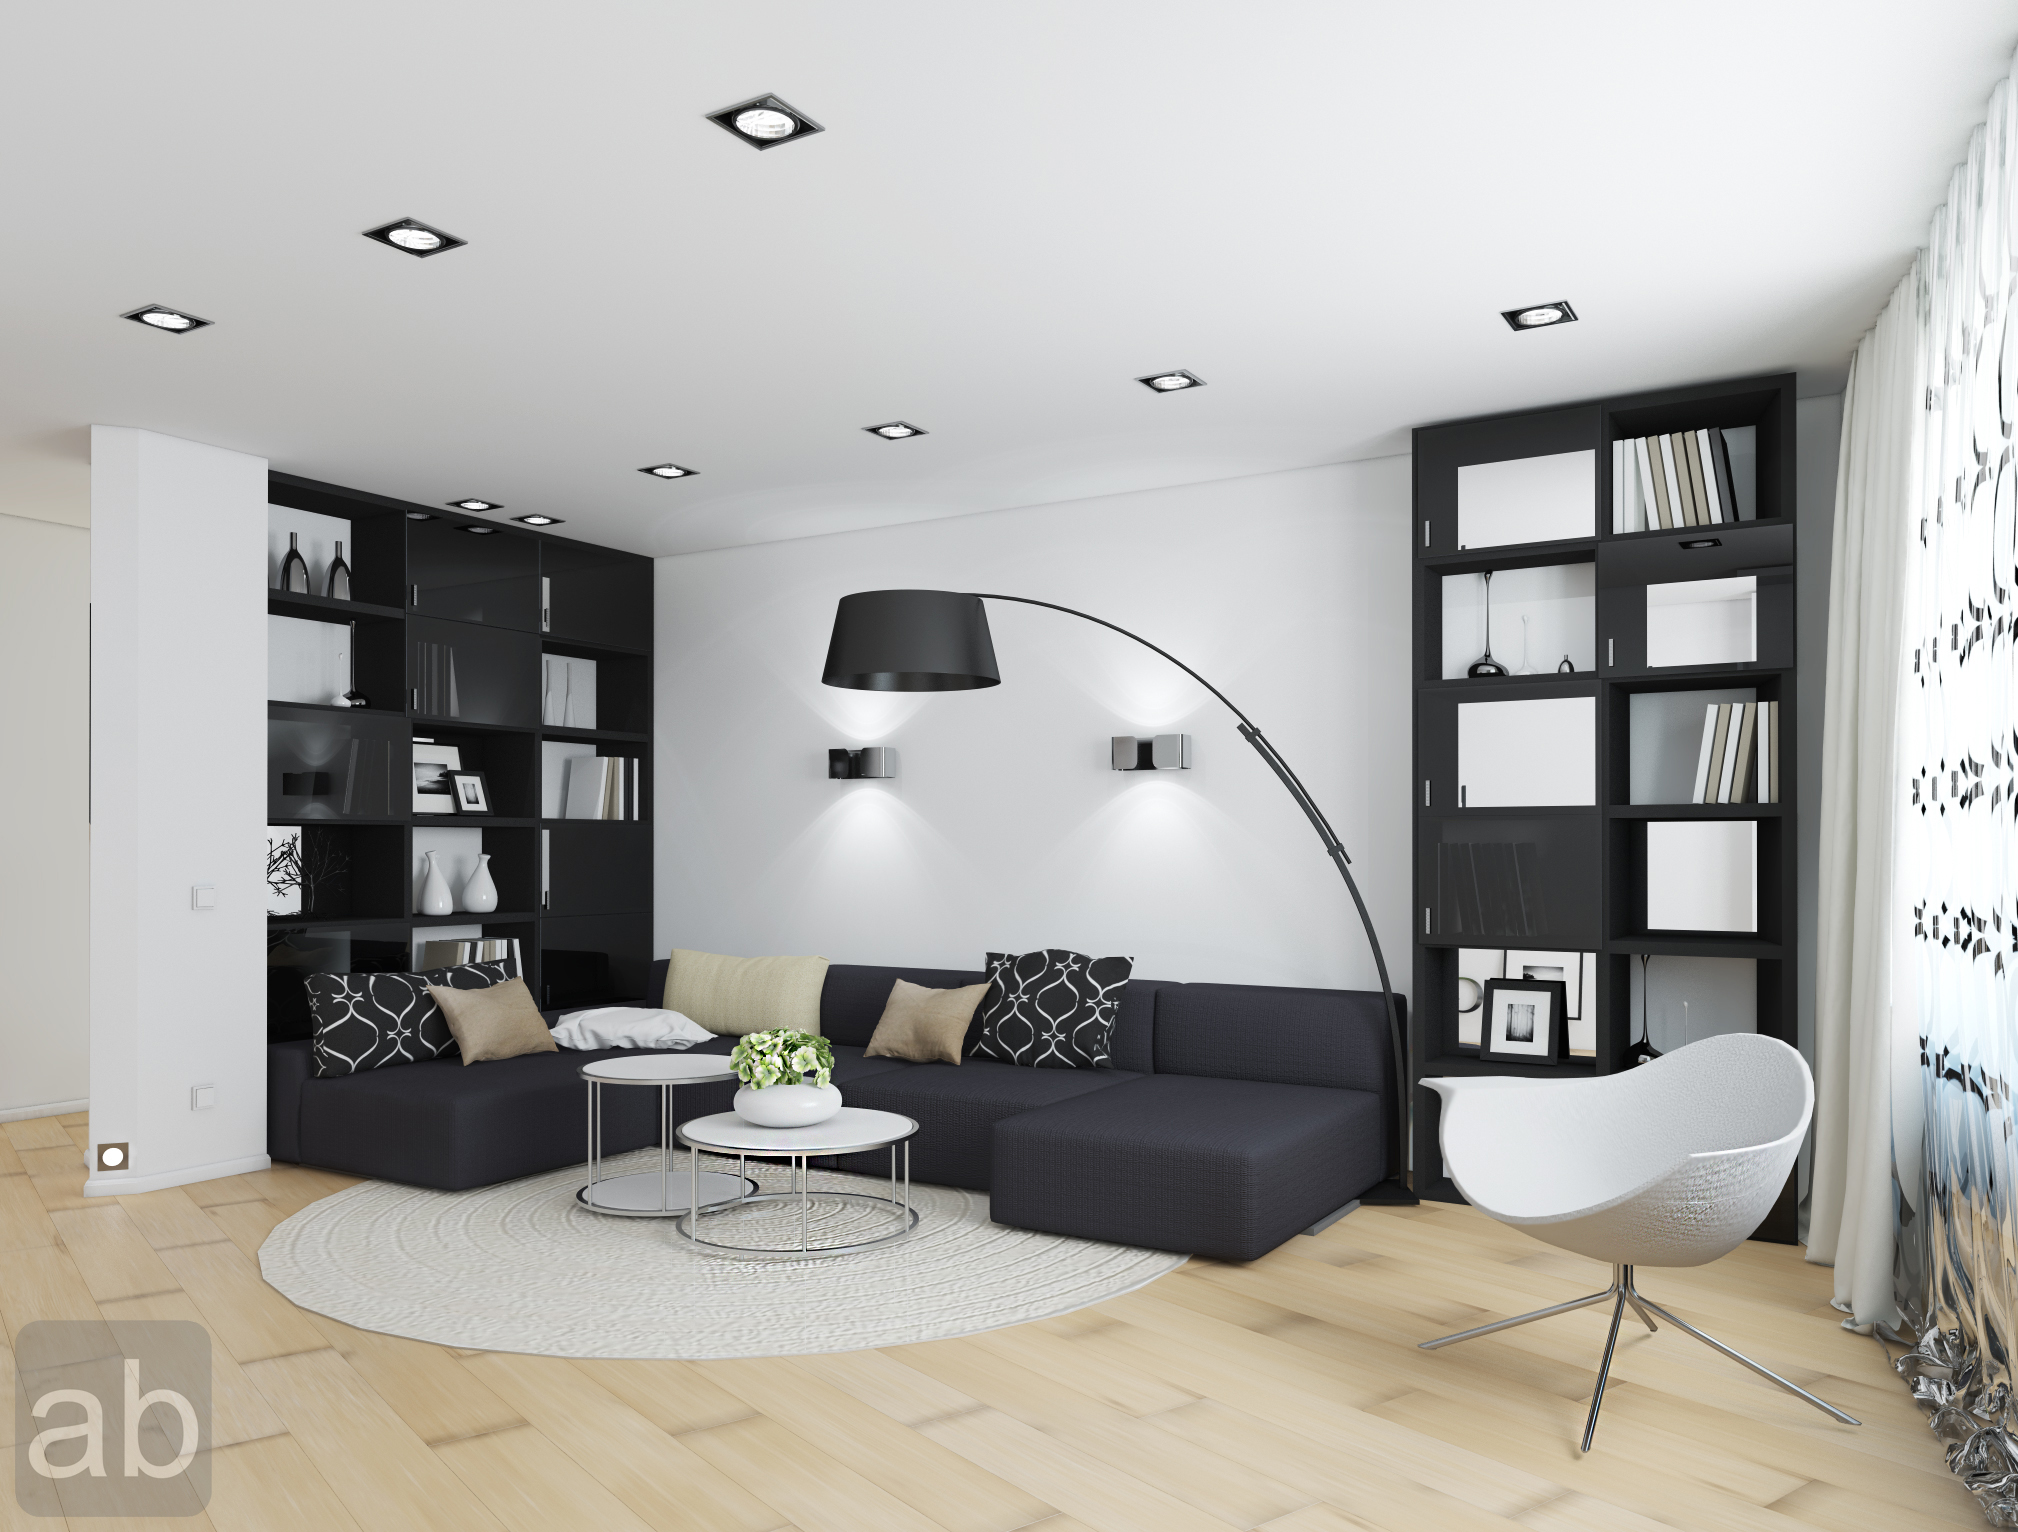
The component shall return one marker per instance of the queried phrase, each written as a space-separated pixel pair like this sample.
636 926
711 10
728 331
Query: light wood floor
1285 1395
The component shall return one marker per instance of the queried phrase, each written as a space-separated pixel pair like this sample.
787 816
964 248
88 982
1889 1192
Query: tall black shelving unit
576 894
1592 860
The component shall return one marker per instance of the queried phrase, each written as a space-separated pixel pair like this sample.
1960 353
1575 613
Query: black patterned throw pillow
1052 1009
372 1020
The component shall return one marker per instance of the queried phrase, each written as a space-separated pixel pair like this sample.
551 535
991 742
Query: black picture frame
1550 997
470 791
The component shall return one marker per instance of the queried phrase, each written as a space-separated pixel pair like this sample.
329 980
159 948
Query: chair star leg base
1623 1293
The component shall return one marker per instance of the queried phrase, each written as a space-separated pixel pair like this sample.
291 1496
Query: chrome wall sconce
1166 752
870 761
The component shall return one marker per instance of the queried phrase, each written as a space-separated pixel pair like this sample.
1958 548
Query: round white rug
523 1267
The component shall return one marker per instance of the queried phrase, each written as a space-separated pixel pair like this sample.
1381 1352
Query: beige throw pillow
731 996
500 1022
925 1026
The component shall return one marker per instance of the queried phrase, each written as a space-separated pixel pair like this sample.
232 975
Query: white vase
479 895
435 899
787 1106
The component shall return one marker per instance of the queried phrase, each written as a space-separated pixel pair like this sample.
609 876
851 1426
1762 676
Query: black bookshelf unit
1589 861
576 894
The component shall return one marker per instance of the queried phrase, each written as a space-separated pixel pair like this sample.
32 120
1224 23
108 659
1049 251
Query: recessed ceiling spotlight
479 531
473 504
766 122
896 430
420 515
1539 316
537 520
668 471
1171 382
414 238
172 320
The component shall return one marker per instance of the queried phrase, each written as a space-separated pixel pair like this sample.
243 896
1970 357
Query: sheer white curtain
1919 822
1851 1217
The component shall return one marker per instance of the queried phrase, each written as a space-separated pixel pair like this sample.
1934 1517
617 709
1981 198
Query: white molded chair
1674 1163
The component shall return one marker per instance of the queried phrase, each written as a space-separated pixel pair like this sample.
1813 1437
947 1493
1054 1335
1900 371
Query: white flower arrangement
783 1058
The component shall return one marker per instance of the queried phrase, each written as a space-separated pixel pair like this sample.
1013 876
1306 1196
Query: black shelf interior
427 590
1578 873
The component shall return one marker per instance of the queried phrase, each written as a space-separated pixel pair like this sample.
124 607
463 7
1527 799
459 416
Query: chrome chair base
1622 1292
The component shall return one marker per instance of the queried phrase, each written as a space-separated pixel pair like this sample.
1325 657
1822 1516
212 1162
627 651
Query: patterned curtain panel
1958 820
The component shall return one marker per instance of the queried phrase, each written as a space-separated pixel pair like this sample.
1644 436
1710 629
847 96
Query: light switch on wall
202 1097
203 896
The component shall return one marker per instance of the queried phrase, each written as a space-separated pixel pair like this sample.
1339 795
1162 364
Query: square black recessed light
1538 316
174 321
537 520
414 237
1173 382
474 504
764 122
896 430
668 471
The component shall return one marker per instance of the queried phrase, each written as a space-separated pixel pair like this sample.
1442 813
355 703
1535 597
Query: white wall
1004 828
45 590
178 752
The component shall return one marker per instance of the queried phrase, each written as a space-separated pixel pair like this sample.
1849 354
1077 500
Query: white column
178 761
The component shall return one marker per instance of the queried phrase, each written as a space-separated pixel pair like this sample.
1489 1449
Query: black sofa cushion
375 1020
443 1125
1221 1168
1053 1009
1277 1036
957 1107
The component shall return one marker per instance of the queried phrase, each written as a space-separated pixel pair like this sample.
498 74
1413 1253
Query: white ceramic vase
787 1106
435 899
479 895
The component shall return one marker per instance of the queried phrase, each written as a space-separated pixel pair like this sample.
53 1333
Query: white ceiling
1320 207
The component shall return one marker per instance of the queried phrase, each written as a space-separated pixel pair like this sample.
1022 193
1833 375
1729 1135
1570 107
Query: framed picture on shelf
431 765
1524 1021
1474 967
471 792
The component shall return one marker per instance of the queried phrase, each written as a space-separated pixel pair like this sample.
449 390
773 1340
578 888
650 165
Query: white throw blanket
628 1026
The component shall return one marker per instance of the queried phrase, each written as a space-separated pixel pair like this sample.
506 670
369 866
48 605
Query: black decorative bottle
337 584
294 568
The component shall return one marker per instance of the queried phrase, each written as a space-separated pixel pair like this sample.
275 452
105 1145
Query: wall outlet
202 1097
203 896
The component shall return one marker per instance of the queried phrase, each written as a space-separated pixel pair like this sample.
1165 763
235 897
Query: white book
1618 490
1703 757
1718 515
613 787
1642 450
1674 483
587 780
1727 778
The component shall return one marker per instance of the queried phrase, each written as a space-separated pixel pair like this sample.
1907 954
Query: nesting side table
849 1131
654 1193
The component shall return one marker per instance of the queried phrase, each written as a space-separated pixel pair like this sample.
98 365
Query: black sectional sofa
1234 1115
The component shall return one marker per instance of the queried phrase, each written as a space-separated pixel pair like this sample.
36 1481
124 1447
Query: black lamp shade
911 641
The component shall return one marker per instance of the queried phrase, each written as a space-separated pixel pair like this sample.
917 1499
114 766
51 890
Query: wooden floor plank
170 1218
269 1485
114 1257
38 1133
250 1318
530 1485
24 1221
924 1475
656 1475
674 1396
818 1492
429 1389
239 1412
384 1474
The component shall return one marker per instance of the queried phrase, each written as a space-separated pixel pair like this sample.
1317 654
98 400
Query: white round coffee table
852 1130
654 1193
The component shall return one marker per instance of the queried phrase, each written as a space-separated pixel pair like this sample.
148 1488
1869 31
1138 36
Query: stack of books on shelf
601 787
1679 480
1740 757
454 954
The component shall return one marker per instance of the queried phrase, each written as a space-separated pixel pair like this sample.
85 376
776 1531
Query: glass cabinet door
492 578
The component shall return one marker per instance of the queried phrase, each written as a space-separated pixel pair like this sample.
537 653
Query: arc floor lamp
938 641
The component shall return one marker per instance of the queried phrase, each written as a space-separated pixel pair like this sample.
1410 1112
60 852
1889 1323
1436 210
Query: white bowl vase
787 1106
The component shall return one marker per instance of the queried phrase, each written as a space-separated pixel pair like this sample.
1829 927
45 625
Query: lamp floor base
1389 1194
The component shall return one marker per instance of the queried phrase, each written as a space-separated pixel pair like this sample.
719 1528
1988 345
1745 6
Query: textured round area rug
524 1267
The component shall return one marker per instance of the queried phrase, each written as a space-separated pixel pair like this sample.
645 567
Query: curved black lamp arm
1332 847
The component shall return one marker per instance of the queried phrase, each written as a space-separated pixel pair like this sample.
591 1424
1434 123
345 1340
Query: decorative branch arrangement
304 862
